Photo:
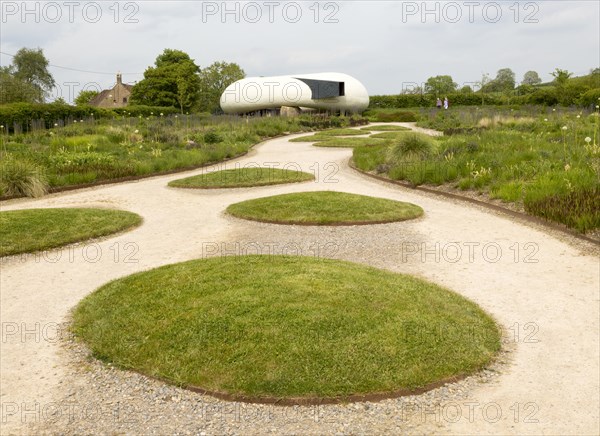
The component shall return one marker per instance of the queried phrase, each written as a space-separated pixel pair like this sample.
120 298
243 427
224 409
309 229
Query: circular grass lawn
242 177
324 208
286 329
385 128
24 231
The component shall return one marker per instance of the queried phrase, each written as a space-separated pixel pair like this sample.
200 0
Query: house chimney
119 81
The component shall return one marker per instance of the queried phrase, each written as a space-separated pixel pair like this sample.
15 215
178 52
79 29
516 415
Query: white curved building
321 91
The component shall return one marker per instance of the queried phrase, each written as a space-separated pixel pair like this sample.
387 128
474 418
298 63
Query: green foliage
20 177
24 115
440 85
561 76
213 81
386 116
14 90
85 97
412 146
519 155
504 81
212 137
579 209
117 145
531 78
173 82
30 70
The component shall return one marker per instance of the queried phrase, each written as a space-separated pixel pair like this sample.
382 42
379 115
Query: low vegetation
385 128
88 151
324 208
242 177
545 160
286 327
29 230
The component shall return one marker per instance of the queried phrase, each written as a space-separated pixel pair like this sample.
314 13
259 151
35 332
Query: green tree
84 97
466 90
440 85
13 90
504 81
27 79
561 76
531 78
173 81
213 81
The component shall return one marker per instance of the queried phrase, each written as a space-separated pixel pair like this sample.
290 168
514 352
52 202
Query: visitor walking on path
438 103
446 103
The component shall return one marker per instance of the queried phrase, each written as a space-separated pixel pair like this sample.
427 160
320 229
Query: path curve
544 291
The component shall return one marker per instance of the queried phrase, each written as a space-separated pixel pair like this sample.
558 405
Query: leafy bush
212 137
21 178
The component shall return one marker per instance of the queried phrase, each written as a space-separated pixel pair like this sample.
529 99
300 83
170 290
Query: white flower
553 110
161 114
55 125
75 121
545 119
1 127
564 127
567 167
588 139
81 121
578 116
136 131
597 107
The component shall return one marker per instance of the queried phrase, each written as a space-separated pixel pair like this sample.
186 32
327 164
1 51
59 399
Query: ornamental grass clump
22 178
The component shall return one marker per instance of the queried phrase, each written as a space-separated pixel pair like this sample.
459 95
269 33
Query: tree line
174 80
563 89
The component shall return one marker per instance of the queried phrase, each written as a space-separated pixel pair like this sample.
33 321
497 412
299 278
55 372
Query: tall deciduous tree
173 81
561 76
439 85
27 79
213 81
504 81
531 78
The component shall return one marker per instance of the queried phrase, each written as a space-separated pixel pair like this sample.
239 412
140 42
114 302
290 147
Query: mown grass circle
29 230
242 177
324 208
286 328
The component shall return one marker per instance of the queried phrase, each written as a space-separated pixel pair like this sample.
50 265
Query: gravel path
542 289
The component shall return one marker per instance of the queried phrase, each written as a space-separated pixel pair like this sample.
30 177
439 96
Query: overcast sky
386 45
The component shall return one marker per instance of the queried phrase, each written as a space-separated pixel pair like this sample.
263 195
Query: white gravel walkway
542 289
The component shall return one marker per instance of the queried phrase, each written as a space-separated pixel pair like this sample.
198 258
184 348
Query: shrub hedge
23 115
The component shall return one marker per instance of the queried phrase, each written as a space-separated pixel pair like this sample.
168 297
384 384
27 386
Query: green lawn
24 231
385 128
344 132
285 327
324 208
242 177
349 142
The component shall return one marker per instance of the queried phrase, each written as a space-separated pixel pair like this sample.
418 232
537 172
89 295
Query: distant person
446 103
438 103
